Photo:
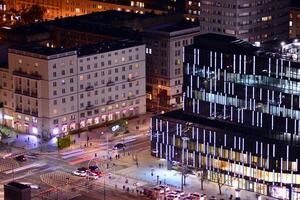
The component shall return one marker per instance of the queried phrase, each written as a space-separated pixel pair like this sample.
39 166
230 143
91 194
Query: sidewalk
173 178
25 142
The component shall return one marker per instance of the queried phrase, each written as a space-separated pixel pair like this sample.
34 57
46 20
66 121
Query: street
124 172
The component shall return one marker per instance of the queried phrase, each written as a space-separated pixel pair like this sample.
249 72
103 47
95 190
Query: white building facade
53 91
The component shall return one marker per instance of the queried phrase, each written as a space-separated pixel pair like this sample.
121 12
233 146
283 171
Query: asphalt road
51 172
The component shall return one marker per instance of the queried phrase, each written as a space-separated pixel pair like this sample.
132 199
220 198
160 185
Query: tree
33 14
219 176
202 175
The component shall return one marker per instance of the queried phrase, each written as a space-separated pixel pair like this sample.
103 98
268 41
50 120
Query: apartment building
67 8
294 23
240 118
164 66
249 20
58 90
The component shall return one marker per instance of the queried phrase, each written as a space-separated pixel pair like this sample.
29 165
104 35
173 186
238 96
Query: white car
79 173
195 195
91 175
164 188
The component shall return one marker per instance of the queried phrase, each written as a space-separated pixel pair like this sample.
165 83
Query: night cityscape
150 99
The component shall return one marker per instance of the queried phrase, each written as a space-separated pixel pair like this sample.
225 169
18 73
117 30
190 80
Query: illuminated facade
66 8
241 117
164 62
245 19
294 23
53 91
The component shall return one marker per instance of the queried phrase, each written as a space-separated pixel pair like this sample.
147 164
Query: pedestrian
231 197
95 155
110 158
74 141
17 136
116 156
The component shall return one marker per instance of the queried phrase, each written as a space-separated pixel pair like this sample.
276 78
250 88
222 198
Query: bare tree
202 175
219 176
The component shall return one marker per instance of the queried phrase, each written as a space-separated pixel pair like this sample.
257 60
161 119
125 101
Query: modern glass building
241 116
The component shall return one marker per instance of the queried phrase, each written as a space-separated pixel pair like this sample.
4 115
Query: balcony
27 75
132 79
89 88
33 94
18 91
19 110
35 113
89 106
26 92
110 83
110 102
131 97
27 112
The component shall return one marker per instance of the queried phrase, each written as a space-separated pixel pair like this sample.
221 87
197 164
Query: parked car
91 175
21 158
80 172
119 146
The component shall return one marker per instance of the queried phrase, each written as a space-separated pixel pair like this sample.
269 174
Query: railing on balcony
89 106
27 75
132 79
18 109
27 112
110 102
35 113
33 94
18 91
26 92
130 97
89 88
110 83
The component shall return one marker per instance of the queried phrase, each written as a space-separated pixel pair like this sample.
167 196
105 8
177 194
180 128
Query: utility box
17 191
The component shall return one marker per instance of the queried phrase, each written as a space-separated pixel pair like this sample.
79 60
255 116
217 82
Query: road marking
80 160
33 165
28 174
73 155
71 152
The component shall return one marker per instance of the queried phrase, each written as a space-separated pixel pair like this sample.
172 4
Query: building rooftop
173 27
18 185
111 16
101 47
106 46
223 43
237 129
39 50
99 29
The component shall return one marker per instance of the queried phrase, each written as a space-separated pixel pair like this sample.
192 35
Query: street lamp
184 146
158 91
237 194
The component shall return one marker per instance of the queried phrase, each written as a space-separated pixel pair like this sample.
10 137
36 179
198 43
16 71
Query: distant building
164 66
17 191
240 122
249 20
50 91
294 23
67 8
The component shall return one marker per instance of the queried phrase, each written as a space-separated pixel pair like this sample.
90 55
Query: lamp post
184 146
158 91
